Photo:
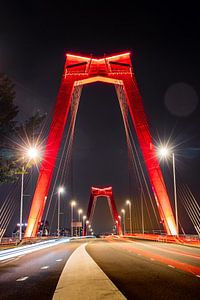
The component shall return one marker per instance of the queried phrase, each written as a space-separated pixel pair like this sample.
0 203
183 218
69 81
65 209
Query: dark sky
165 46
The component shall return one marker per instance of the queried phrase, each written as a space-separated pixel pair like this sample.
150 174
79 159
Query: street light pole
79 219
60 190
128 202
86 227
31 153
21 204
58 227
73 203
175 193
165 152
123 212
142 211
83 230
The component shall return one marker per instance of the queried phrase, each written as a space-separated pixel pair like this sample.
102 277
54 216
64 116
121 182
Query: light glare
73 203
164 151
32 152
61 189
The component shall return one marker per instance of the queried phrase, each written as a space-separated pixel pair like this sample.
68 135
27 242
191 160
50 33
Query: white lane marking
44 268
171 266
198 276
22 278
152 258
60 259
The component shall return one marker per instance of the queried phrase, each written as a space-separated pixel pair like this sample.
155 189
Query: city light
32 153
80 211
164 151
61 189
73 203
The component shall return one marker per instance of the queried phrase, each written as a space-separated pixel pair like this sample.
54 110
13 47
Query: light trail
23 250
167 261
172 251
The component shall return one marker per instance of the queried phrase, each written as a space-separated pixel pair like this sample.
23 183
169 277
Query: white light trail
10 253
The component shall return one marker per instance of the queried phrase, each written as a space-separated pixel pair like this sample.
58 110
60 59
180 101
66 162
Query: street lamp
165 152
123 213
73 203
60 191
83 231
80 211
128 202
31 153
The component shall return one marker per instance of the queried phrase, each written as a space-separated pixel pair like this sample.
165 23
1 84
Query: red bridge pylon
117 70
108 193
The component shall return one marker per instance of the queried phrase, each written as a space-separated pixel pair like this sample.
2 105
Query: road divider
82 278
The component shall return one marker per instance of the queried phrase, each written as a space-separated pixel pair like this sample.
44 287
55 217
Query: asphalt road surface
34 276
139 269
149 270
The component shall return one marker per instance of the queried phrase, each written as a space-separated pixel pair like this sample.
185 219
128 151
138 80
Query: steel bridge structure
113 69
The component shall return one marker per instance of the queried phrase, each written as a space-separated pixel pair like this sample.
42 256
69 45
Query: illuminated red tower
108 193
117 70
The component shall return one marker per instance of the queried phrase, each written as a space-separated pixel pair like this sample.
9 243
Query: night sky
164 42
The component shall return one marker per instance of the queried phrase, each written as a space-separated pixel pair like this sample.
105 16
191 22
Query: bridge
122 264
117 70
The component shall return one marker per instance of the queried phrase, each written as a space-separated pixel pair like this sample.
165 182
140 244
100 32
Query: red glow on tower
115 69
108 193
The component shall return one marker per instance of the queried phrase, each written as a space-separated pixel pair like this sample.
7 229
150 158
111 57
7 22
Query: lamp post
165 152
83 230
73 203
80 211
128 202
60 191
87 224
21 204
175 193
31 153
119 218
123 213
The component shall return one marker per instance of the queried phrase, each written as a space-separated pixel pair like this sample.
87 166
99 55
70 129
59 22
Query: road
139 269
149 270
34 276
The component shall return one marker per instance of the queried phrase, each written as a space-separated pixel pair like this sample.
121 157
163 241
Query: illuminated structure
117 70
108 193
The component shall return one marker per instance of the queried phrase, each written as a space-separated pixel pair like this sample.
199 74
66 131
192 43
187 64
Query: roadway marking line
22 278
60 259
171 266
198 276
44 268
